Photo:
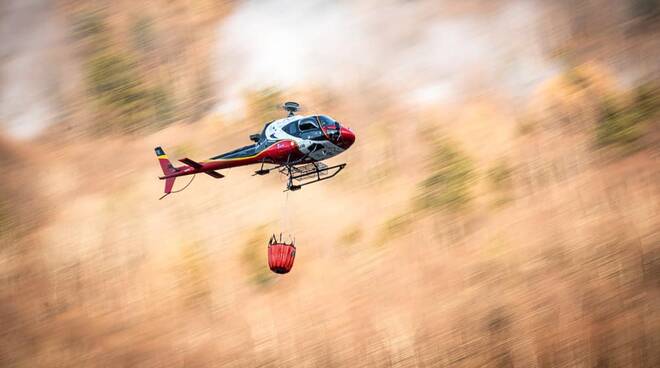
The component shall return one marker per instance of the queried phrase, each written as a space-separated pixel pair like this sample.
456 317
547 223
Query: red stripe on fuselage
276 153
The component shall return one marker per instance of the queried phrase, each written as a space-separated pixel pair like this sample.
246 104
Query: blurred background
500 206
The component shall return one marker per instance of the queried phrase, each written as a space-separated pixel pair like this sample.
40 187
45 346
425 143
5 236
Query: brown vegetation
507 237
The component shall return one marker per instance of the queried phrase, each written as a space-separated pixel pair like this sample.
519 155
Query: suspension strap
284 219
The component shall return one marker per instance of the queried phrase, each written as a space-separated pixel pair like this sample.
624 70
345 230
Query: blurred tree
625 120
449 184
262 105
90 30
618 125
88 25
5 215
122 95
22 207
646 98
647 9
500 177
588 97
126 101
164 105
139 78
202 96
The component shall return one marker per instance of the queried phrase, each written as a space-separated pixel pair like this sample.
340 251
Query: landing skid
303 174
309 174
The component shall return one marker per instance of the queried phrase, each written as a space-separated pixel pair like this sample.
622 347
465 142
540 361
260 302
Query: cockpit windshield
316 127
326 120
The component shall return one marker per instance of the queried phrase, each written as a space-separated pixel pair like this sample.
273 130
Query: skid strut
302 174
309 174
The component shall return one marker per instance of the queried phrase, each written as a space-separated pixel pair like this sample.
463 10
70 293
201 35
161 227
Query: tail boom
190 167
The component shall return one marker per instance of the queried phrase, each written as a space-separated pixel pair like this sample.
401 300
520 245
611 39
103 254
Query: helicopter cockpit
317 127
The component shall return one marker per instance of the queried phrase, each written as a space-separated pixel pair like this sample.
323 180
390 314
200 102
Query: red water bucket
281 257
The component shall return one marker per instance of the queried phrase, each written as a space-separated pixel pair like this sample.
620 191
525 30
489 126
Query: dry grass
563 274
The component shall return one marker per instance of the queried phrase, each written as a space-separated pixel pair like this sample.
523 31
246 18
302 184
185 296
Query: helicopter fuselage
290 141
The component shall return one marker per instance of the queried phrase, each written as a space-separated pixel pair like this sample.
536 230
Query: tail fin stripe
167 168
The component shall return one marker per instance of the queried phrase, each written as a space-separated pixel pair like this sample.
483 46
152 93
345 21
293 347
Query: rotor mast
291 107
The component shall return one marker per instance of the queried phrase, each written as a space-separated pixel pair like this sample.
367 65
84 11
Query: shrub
526 127
352 235
194 275
500 180
397 225
262 105
578 78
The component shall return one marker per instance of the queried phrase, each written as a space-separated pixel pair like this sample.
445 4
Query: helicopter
295 146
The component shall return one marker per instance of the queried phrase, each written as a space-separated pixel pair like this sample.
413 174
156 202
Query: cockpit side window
263 132
307 124
291 128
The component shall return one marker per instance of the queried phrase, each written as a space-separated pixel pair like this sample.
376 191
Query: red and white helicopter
296 145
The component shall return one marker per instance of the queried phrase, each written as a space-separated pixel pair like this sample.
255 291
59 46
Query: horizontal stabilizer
214 174
191 163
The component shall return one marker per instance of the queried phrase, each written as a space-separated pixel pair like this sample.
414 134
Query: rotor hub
291 107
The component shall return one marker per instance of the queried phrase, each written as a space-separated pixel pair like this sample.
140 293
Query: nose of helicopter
347 138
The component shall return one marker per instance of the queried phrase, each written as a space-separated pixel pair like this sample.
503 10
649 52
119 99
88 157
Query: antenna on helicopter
291 107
